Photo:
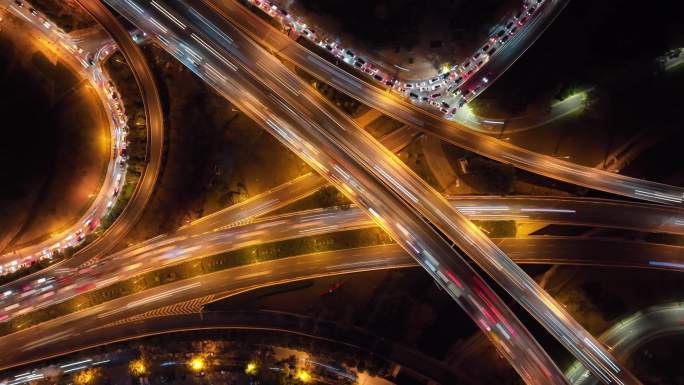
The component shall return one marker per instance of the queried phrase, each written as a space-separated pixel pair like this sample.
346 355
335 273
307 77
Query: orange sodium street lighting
197 364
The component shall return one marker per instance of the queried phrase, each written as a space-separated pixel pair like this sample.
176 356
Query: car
445 75
445 105
513 30
491 51
424 98
522 21
509 25
505 38
33 11
436 95
517 15
501 32
408 85
458 80
477 55
377 77
436 78
413 95
436 86
19 3
466 64
349 53
336 285
531 10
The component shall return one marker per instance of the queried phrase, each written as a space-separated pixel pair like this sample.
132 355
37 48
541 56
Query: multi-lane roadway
403 188
427 121
630 333
222 234
416 195
155 133
305 123
85 328
77 60
491 258
338 138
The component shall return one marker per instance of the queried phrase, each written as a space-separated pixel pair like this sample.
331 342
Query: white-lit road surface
244 73
628 334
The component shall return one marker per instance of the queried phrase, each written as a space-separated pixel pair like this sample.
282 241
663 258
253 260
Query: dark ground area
25 155
66 14
630 93
592 43
44 185
416 34
658 362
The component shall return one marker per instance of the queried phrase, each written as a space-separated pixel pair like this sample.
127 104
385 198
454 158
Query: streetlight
197 364
251 368
85 377
303 376
137 368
